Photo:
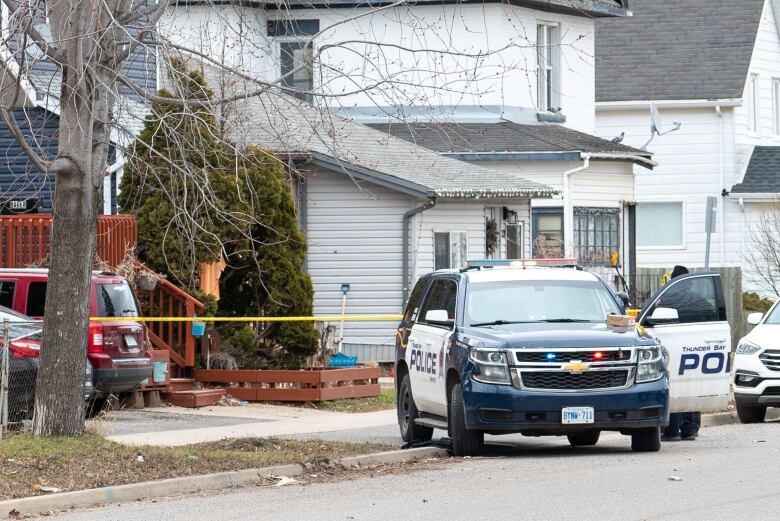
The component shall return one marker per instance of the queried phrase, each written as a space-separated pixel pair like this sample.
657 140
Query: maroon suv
117 350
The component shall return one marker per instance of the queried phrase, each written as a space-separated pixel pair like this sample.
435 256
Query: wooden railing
25 239
168 300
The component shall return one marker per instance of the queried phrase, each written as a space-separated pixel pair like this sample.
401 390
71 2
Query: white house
383 205
719 76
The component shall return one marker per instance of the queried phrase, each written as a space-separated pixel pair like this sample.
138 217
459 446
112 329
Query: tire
751 414
465 442
584 439
646 440
407 413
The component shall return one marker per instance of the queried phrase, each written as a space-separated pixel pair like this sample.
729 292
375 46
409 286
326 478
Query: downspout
568 208
722 177
405 246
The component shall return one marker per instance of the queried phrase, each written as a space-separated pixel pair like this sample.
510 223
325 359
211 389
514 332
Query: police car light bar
490 263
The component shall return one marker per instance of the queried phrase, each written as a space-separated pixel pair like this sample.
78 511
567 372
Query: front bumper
119 380
506 409
766 390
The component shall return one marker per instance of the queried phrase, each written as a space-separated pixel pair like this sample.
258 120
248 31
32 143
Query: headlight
490 366
747 348
651 364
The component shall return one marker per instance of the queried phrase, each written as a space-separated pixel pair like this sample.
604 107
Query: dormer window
548 52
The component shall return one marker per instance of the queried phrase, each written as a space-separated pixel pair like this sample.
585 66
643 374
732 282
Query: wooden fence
25 239
649 280
306 385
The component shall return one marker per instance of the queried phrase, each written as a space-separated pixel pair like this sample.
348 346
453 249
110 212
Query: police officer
682 425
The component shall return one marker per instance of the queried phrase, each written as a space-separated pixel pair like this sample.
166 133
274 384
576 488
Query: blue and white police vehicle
528 349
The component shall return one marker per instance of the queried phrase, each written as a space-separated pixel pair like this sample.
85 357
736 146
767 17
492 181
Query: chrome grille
566 381
771 359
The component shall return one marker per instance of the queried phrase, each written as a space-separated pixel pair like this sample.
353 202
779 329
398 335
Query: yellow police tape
326 318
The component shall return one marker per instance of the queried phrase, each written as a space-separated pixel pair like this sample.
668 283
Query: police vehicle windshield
517 302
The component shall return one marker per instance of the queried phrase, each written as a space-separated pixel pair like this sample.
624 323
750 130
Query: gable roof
763 173
288 126
475 139
677 50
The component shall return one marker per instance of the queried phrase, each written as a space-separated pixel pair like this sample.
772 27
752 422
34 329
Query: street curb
730 418
190 484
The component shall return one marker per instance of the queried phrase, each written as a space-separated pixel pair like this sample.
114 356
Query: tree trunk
84 134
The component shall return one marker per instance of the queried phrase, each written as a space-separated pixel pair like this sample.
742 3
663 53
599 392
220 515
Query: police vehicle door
698 340
427 343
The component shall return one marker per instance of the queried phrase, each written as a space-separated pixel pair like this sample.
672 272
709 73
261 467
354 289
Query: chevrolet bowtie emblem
576 367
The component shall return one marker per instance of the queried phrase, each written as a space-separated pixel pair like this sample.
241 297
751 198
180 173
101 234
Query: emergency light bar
553 263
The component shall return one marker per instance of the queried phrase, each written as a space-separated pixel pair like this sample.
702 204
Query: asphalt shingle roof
763 173
676 49
286 125
502 137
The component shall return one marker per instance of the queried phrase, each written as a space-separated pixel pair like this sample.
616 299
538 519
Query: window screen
659 224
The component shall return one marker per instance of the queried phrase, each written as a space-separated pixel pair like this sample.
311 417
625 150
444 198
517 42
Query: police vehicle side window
694 299
443 295
415 299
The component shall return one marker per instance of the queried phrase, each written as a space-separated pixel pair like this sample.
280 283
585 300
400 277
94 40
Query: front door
427 344
699 342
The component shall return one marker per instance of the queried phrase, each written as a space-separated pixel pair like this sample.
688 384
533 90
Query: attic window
548 75
752 103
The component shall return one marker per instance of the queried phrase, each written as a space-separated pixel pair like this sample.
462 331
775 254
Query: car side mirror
754 318
664 316
438 316
623 296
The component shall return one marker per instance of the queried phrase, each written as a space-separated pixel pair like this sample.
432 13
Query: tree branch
59 165
26 23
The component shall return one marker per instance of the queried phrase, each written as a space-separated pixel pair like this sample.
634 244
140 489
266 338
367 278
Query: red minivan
117 350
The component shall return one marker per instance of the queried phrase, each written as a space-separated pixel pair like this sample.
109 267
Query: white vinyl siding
660 224
354 237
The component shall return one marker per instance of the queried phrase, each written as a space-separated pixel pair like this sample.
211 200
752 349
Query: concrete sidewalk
172 426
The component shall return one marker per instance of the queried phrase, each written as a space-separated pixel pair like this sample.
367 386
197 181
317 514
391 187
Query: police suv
509 349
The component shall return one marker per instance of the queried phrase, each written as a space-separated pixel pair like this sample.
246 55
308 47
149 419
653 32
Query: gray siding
354 236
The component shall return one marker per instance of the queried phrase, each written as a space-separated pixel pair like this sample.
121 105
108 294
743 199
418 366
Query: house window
596 235
548 233
297 68
659 224
548 53
752 103
514 240
776 107
450 250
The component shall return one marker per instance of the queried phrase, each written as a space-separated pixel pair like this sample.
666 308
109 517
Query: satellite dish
655 125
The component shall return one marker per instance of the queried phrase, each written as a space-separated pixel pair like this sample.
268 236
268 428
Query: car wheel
407 413
750 414
646 440
465 442
584 439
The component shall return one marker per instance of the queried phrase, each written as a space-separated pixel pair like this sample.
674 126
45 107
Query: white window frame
753 104
279 40
776 107
449 232
683 225
548 59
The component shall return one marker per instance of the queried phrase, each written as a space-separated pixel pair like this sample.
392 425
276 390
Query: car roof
529 273
21 272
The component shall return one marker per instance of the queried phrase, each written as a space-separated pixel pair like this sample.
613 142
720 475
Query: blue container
342 360
198 328
158 371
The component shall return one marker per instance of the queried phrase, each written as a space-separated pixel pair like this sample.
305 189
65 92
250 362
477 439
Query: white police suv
529 350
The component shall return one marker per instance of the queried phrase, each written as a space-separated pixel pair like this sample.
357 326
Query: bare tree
763 255
89 42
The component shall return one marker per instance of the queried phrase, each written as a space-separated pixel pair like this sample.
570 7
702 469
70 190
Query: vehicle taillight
25 349
95 340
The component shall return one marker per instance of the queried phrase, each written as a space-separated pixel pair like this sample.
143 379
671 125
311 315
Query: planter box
307 385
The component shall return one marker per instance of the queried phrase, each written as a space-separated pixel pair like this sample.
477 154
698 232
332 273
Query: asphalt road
731 472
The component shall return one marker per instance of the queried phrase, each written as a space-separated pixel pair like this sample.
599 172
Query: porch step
180 384
194 398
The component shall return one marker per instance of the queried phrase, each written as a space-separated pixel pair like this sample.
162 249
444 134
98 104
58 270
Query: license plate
573 415
131 342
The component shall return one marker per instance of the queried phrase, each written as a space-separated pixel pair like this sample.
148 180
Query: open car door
688 316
